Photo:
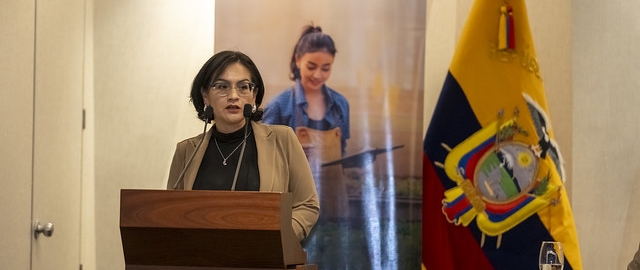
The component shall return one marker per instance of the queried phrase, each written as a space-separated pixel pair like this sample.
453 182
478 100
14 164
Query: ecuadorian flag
493 176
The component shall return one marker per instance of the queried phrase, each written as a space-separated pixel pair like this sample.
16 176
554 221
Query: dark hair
213 68
311 40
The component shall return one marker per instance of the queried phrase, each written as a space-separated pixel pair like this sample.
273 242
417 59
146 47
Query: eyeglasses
222 88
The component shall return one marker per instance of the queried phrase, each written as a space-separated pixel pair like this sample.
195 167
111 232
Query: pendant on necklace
224 159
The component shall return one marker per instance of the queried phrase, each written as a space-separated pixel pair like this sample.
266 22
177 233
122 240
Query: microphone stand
208 114
246 112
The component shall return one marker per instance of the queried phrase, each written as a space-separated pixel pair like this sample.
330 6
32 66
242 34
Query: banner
364 146
493 175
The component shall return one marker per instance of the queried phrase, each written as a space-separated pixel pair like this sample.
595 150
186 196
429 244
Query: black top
214 175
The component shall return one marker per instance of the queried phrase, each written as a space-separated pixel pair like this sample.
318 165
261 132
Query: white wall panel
146 54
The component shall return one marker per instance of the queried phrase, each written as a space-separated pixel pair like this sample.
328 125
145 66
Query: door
17 24
57 132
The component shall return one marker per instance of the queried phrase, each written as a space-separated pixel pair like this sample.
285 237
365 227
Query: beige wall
606 148
145 56
88 217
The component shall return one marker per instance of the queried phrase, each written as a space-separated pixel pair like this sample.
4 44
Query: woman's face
315 69
228 97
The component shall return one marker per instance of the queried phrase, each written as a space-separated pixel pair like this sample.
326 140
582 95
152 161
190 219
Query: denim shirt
290 108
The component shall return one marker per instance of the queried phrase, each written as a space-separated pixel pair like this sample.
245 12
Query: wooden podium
208 230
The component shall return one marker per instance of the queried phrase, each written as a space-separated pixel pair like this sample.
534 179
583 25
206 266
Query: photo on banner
363 136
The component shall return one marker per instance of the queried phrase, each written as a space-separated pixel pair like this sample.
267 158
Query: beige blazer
282 164
635 262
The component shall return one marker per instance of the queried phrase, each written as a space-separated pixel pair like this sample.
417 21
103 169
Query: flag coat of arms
493 175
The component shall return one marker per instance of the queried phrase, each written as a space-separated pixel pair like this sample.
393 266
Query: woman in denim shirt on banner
319 116
310 103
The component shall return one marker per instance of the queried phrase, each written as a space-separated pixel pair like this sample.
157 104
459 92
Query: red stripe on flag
473 162
444 245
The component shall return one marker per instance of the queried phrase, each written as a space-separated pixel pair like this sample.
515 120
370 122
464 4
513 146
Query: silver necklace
224 159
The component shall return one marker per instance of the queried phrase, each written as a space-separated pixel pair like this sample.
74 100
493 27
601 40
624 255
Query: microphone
208 116
246 112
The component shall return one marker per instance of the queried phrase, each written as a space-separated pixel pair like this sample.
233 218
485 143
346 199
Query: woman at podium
238 152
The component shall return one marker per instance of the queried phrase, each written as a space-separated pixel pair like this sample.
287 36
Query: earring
254 108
